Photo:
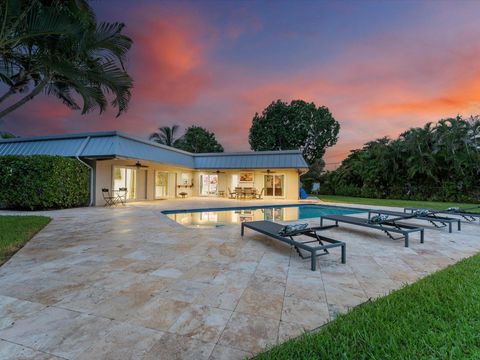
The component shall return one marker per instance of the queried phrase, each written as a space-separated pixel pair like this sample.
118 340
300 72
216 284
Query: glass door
161 184
208 185
274 185
124 177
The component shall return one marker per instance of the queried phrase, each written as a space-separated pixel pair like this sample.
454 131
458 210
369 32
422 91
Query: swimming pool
224 216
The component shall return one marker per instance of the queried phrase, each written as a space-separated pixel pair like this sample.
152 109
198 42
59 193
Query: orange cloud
376 85
461 97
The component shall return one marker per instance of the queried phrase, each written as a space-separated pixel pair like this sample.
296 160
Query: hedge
41 182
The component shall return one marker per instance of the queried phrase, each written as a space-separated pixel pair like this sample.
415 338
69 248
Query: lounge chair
388 226
274 230
464 213
437 221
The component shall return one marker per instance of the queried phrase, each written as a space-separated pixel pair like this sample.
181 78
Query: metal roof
253 160
116 144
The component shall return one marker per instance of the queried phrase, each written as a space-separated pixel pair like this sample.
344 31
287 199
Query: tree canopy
435 162
58 48
165 135
298 125
198 140
6 135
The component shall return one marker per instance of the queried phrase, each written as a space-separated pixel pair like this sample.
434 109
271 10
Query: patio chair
287 233
381 223
258 196
122 195
248 193
239 192
435 220
108 198
231 194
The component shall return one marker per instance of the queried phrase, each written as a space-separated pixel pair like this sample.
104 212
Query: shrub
42 182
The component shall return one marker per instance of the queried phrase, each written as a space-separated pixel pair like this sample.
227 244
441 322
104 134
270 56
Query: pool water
225 216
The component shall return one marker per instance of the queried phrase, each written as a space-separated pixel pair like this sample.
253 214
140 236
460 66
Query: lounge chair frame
271 229
437 221
466 215
387 226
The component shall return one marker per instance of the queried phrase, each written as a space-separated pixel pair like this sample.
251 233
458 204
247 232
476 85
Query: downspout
77 156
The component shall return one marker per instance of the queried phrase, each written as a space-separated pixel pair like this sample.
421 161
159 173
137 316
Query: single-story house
152 171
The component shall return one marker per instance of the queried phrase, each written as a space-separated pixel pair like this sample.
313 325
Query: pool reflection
228 217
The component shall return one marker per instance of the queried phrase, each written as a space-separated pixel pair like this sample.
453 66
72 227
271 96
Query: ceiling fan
219 172
139 165
270 171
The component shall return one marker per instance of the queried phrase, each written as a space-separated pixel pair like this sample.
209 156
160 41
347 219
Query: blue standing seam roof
117 144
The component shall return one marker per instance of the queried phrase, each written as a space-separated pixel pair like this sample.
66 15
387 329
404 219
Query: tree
165 135
85 63
298 125
198 140
6 135
437 161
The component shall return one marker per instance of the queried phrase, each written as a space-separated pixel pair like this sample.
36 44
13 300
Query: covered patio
145 170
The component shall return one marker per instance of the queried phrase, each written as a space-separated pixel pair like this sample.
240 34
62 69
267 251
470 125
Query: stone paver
129 283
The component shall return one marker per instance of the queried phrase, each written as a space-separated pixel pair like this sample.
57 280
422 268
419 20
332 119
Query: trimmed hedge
42 182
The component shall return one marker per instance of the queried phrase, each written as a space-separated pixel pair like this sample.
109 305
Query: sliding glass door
208 185
161 184
274 185
124 177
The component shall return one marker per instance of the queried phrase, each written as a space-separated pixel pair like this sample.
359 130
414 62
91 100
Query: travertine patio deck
127 283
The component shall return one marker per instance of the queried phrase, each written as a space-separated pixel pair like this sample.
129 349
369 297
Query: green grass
15 231
434 318
390 202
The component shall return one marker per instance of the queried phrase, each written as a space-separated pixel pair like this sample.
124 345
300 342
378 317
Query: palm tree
165 135
88 62
6 135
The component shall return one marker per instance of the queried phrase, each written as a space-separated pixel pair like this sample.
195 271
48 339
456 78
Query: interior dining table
242 193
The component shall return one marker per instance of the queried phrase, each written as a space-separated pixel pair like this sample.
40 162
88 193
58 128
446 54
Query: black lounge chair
273 230
464 213
387 226
437 221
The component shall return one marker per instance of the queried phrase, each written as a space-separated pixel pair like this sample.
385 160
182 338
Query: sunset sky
380 66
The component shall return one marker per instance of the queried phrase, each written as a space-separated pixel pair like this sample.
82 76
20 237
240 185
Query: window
185 178
274 185
161 184
124 177
208 185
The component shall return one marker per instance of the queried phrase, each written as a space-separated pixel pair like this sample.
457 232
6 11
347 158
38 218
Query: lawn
398 203
434 318
15 231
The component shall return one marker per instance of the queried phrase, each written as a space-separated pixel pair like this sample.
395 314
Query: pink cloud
379 86
169 58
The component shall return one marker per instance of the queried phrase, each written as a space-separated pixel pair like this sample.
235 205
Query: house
152 171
